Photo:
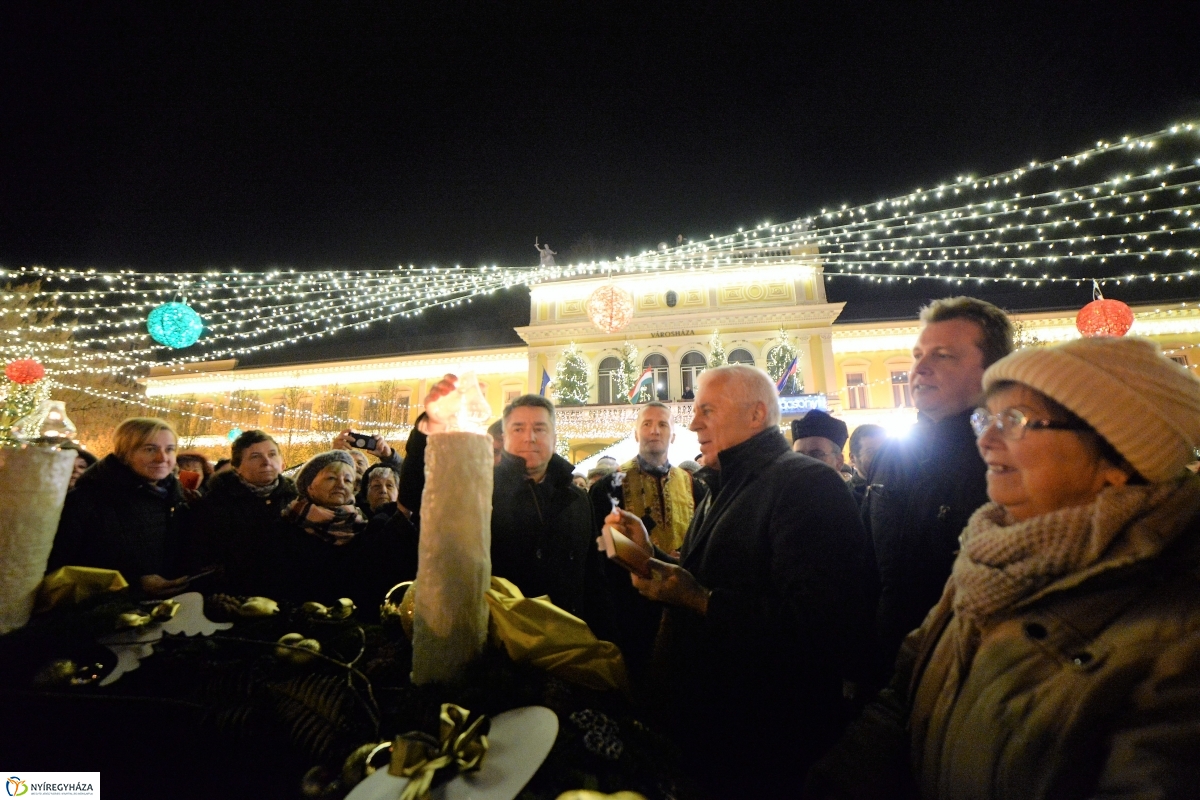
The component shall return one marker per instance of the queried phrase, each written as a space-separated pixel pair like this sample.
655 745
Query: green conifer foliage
716 351
778 359
627 373
571 386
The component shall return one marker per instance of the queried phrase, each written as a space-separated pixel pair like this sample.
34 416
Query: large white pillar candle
33 484
454 562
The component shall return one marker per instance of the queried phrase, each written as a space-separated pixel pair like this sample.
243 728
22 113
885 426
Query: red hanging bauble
25 371
1104 318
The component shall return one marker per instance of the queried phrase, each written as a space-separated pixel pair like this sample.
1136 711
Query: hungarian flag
646 380
787 373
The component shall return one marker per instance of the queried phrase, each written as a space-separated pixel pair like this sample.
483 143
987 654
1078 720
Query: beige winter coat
1088 688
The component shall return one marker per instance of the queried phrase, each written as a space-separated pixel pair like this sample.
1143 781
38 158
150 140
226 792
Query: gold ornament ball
258 607
289 640
398 606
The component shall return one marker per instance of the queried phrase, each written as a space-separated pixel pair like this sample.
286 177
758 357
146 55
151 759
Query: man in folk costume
664 497
660 494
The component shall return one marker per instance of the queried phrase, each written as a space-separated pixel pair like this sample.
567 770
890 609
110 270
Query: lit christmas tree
779 359
571 381
627 372
716 351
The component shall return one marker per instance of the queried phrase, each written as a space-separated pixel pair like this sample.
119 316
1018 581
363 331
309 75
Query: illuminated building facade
859 371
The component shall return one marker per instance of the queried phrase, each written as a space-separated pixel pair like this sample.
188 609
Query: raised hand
631 526
441 403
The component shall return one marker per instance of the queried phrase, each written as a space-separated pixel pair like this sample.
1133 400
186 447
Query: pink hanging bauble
1104 318
25 371
610 308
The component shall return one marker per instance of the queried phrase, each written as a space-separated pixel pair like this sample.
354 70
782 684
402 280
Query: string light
1115 213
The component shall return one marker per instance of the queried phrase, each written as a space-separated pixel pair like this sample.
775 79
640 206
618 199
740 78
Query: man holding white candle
764 605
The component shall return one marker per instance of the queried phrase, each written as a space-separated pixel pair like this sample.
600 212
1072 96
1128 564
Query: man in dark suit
764 605
923 488
542 535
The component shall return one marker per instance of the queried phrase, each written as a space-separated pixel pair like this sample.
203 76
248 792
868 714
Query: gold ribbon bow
460 747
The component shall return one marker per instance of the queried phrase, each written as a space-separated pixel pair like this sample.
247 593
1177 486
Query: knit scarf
1003 562
337 526
259 491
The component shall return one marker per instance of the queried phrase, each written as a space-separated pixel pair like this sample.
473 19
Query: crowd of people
1003 603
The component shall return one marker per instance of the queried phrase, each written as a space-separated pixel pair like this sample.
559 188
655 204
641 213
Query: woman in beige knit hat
1063 659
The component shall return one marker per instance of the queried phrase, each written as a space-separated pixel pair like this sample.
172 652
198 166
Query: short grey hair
747 385
655 404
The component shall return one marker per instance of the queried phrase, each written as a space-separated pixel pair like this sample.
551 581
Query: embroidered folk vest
668 500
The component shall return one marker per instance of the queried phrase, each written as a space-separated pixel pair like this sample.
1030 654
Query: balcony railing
610 421
617 421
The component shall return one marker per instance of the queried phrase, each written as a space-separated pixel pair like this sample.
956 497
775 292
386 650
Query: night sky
204 135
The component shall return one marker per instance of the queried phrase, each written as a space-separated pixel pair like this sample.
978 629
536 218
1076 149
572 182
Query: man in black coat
765 604
232 525
542 536
923 488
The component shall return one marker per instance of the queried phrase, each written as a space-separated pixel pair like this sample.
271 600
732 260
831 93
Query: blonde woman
125 512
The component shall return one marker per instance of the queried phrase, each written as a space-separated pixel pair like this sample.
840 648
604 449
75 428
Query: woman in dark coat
83 460
378 491
125 512
328 550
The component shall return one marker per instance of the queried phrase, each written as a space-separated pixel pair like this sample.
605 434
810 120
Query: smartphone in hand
361 441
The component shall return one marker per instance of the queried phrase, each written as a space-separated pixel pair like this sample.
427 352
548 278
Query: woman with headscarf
83 460
1063 659
378 491
125 511
326 547
192 461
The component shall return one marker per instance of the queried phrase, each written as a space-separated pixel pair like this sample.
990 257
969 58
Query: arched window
690 367
658 363
609 390
279 416
370 408
304 415
740 356
204 421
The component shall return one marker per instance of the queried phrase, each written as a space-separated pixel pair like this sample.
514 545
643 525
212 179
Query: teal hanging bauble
175 324
233 433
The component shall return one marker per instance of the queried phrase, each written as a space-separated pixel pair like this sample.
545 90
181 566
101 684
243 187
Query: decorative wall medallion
571 308
775 291
695 297
648 301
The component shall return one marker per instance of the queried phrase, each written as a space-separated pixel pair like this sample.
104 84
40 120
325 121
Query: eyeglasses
1012 423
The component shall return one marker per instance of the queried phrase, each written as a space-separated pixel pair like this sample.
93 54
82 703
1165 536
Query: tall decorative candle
33 484
454 571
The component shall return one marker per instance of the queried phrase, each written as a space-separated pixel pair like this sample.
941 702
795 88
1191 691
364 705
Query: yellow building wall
879 365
